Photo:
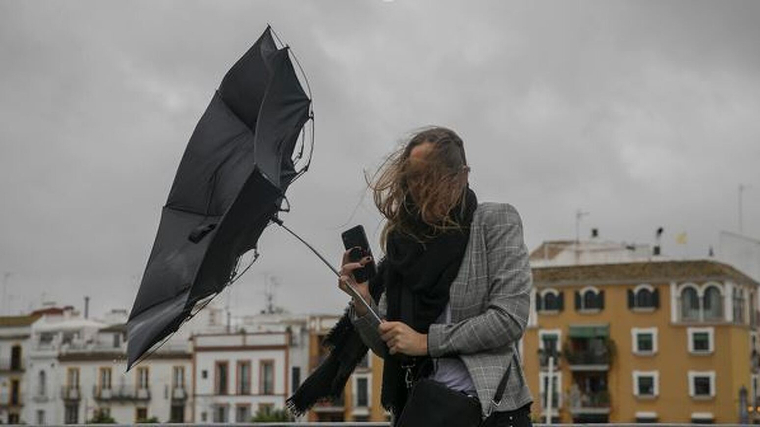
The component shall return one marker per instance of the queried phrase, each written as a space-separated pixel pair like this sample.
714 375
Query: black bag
431 403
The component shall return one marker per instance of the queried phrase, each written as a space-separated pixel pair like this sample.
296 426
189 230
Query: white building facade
236 375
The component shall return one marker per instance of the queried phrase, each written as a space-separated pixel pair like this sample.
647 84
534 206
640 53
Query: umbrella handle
352 290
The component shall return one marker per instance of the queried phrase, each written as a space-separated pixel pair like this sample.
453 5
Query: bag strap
502 387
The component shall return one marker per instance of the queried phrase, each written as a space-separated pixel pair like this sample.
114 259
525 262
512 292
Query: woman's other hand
347 276
400 338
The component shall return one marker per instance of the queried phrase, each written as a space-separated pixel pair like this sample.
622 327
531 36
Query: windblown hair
439 182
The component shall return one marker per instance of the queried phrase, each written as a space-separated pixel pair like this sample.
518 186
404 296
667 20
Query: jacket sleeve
509 278
367 326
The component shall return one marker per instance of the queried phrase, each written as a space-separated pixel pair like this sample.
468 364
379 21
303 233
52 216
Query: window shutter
656 298
561 300
630 298
538 302
577 300
600 295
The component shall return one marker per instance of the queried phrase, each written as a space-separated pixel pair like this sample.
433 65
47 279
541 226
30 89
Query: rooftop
640 272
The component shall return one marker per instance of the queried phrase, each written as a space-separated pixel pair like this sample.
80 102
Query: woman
453 287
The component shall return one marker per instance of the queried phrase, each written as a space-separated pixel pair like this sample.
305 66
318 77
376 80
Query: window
362 392
701 384
738 305
702 418
644 341
71 415
42 384
266 377
244 377
701 340
16 358
40 417
220 414
72 378
243 413
177 414
550 300
689 304
646 417
220 385
105 379
548 345
141 414
713 303
543 386
646 383
589 299
116 340
204 374
178 377
295 378
644 297
142 378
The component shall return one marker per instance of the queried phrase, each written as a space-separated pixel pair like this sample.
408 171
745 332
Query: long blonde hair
440 182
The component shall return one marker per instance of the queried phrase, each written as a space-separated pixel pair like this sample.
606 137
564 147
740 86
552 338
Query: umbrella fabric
230 182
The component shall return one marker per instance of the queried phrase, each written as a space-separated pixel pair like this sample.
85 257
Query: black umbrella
230 184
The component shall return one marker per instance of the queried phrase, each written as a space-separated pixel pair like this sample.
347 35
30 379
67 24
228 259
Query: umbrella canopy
229 185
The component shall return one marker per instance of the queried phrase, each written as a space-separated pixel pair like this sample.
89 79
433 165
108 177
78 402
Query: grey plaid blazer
490 302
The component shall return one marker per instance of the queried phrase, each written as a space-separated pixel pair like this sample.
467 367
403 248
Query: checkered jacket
490 302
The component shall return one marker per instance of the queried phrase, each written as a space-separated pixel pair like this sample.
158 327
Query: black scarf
423 270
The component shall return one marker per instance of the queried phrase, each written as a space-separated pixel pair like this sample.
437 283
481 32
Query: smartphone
355 240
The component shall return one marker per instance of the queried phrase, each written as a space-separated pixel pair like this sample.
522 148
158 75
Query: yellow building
654 340
361 397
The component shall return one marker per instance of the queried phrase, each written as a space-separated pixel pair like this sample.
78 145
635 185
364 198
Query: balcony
121 394
590 402
71 393
12 366
179 394
589 359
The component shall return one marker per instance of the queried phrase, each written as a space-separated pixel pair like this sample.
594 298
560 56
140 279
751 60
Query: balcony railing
12 365
588 357
543 358
71 393
121 393
590 401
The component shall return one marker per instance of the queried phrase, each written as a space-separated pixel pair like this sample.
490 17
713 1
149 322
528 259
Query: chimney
86 307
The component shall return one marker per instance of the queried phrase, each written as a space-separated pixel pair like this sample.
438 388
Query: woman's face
417 165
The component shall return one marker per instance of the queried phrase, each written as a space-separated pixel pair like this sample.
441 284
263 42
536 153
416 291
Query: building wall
233 348
730 359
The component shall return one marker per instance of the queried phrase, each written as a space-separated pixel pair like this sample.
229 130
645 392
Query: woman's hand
347 276
400 338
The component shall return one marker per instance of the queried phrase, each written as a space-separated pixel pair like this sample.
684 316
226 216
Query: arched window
550 300
713 303
643 296
689 304
589 299
42 383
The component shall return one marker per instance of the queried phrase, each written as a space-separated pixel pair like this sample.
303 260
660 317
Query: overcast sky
644 114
